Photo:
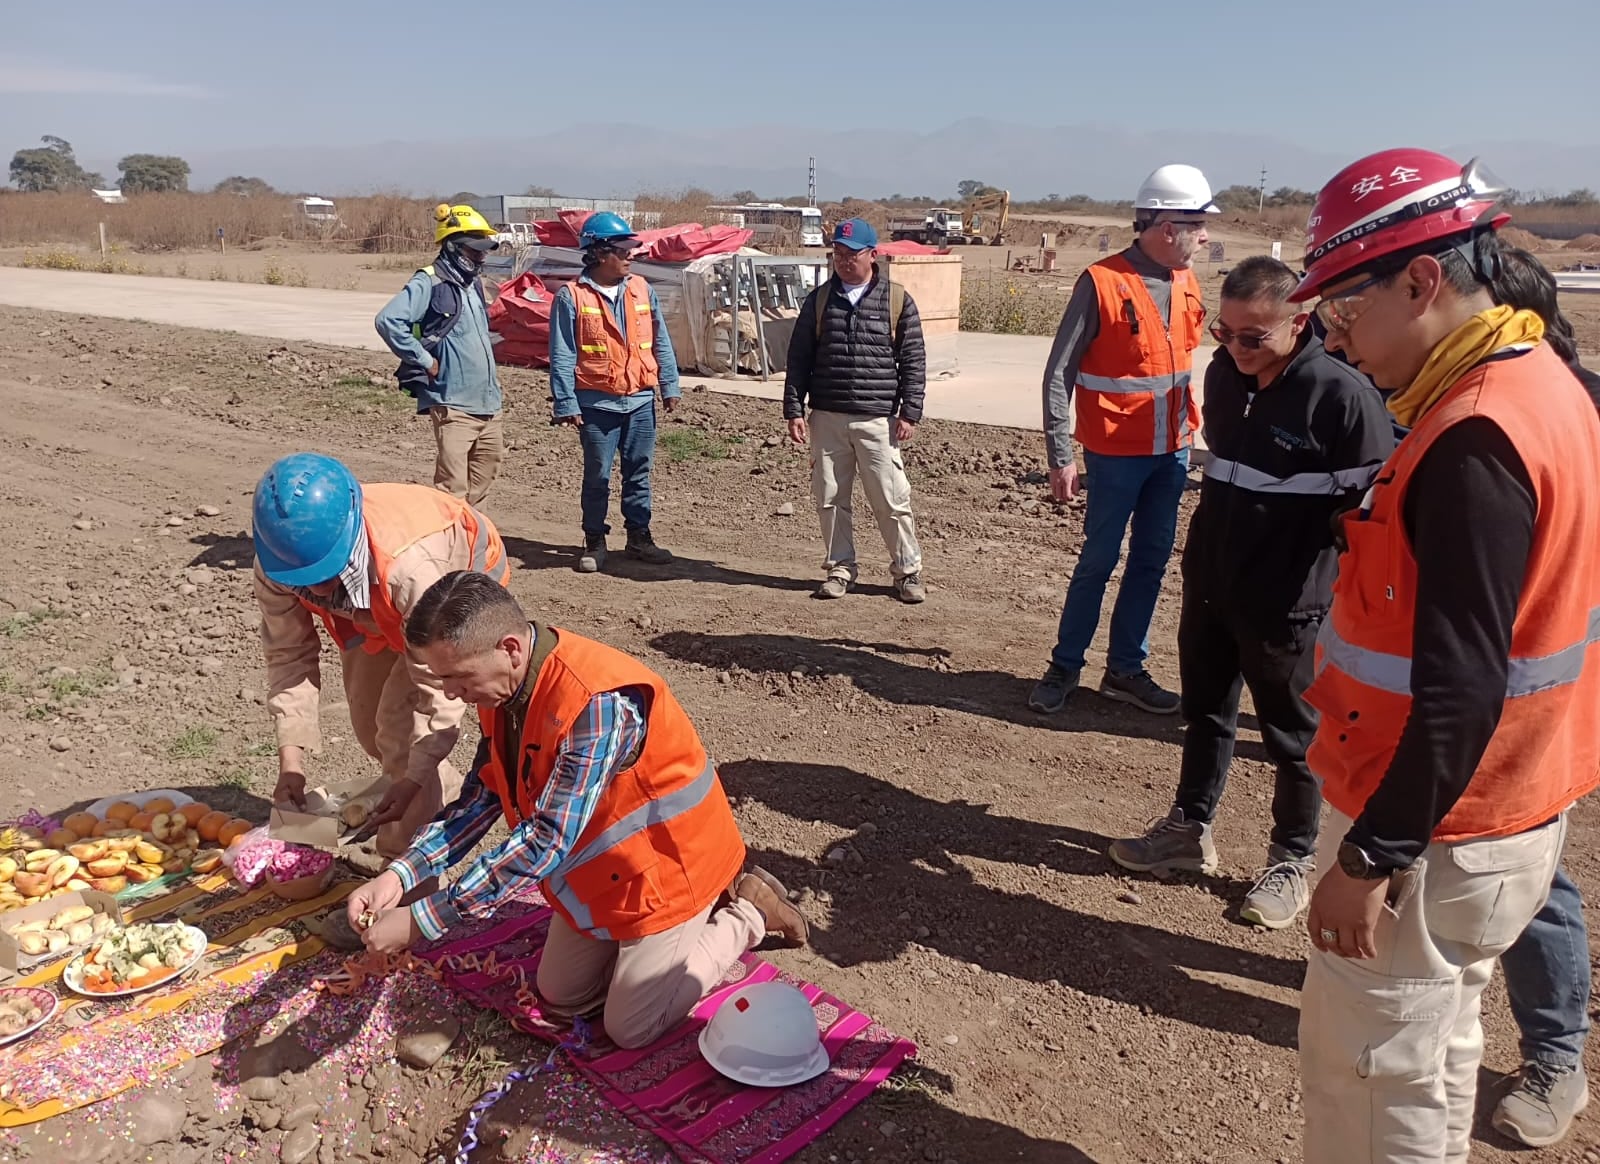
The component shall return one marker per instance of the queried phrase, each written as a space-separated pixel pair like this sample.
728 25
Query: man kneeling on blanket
617 816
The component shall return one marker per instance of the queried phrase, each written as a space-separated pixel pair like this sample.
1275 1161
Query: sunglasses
1250 343
1340 312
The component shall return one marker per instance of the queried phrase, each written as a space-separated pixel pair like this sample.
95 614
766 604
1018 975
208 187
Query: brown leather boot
764 891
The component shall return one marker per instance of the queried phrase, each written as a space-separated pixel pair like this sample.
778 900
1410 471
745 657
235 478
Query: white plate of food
23 1010
138 800
134 958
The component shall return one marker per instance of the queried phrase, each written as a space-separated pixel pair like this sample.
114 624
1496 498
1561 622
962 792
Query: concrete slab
999 383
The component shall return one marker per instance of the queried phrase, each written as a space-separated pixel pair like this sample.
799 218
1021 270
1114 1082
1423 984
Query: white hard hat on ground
765 1036
1176 187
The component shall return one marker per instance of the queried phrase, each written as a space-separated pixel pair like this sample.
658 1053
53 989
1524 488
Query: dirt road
1066 1014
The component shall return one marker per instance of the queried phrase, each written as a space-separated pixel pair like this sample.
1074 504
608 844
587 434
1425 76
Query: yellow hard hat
450 220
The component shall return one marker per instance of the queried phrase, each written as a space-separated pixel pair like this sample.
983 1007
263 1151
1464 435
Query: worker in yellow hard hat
439 327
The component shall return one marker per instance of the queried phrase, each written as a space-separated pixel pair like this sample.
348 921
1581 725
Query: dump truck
981 221
939 227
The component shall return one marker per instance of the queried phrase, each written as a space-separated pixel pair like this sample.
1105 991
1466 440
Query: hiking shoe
643 547
1281 892
1169 843
1539 1109
833 586
764 891
594 554
1140 690
1051 693
910 589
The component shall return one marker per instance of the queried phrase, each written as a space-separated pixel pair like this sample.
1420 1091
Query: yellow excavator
942 226
975 222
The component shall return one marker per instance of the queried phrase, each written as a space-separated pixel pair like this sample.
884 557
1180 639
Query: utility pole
811 183
1261 202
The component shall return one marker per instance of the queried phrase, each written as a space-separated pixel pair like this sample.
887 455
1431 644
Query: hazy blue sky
178 76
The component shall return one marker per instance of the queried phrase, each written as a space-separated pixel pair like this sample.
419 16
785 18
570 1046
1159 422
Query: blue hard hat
307 514
603 227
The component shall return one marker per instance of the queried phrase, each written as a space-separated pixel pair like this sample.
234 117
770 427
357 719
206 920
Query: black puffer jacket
855 368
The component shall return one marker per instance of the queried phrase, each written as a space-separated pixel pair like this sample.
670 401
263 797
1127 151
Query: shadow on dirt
912 854
223 552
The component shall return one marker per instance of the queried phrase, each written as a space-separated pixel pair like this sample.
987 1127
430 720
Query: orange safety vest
1134 391
609 361
396 517
1545 753
662 844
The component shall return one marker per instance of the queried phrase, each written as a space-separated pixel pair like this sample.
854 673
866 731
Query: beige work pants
382 698
842 445
648 984
470 450
1389 1047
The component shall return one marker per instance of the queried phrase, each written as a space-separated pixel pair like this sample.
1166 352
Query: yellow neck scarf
1459 352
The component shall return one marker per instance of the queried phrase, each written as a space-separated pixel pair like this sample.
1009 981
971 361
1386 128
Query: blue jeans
1145 491
1547 978
604 434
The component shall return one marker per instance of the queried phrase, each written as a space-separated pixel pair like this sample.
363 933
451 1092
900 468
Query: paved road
998 384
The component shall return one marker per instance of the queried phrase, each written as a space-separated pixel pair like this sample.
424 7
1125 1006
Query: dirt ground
947 842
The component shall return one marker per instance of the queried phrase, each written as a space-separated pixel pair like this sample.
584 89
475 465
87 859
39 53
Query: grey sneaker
1281 892
1140 690
1170 843
643 547
594 554
910 589
1053 690
1539 1109
833 586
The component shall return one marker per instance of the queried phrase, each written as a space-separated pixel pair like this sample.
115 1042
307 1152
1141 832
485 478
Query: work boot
594 553
1170 843
336 930
1281 892
909 589
764 891
1051 693
643 547
1140 690
1539 1109
833 586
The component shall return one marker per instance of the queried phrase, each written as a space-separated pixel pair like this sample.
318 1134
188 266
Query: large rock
299 1144
422 1046
158 1119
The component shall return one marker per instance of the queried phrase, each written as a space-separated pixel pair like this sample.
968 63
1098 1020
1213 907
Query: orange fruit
106 827
159 804
233 830
141 820
82 823
193 812
61 838
121 810
210 826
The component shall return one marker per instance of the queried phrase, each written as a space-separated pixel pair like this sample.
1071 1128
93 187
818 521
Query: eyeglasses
1225 336
1340 312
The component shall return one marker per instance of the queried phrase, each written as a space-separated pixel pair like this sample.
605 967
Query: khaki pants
470 450
841 444
649 984
381 698
1389 1047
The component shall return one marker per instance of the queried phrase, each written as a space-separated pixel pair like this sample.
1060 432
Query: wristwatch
1353 859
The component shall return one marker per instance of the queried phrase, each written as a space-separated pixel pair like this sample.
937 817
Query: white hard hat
765 1036
1176 187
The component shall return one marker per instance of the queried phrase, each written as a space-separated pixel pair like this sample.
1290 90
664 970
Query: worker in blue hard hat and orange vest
357 558
609 353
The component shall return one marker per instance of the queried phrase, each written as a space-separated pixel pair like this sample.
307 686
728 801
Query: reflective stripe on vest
659 811
1392 673
1329 484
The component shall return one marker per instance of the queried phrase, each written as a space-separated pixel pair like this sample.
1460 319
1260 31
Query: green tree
744 196
50 167
244 187
539 192
153 173
969 188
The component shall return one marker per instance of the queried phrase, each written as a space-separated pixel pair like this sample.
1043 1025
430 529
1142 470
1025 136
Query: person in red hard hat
1458 691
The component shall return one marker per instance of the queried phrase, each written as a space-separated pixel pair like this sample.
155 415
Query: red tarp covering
671 244
523 323
910 247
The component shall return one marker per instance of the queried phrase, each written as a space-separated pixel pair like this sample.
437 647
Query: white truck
939 227
515 235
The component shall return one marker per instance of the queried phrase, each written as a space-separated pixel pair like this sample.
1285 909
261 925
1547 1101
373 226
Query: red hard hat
1388 202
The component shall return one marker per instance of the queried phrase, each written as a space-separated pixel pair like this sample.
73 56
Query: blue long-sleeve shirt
467 380
607 735
570 400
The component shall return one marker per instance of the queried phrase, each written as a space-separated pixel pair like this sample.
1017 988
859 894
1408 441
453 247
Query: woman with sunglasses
1293 436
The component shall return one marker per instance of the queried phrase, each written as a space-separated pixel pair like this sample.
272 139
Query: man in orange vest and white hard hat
357 558
617 817
1457 678
609 354
1122 361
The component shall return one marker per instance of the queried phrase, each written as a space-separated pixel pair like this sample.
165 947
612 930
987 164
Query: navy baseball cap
855 233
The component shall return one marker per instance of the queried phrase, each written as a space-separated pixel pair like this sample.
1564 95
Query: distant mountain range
622 160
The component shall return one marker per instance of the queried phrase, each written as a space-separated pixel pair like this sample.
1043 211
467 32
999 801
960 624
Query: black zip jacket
857 368
1281 462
